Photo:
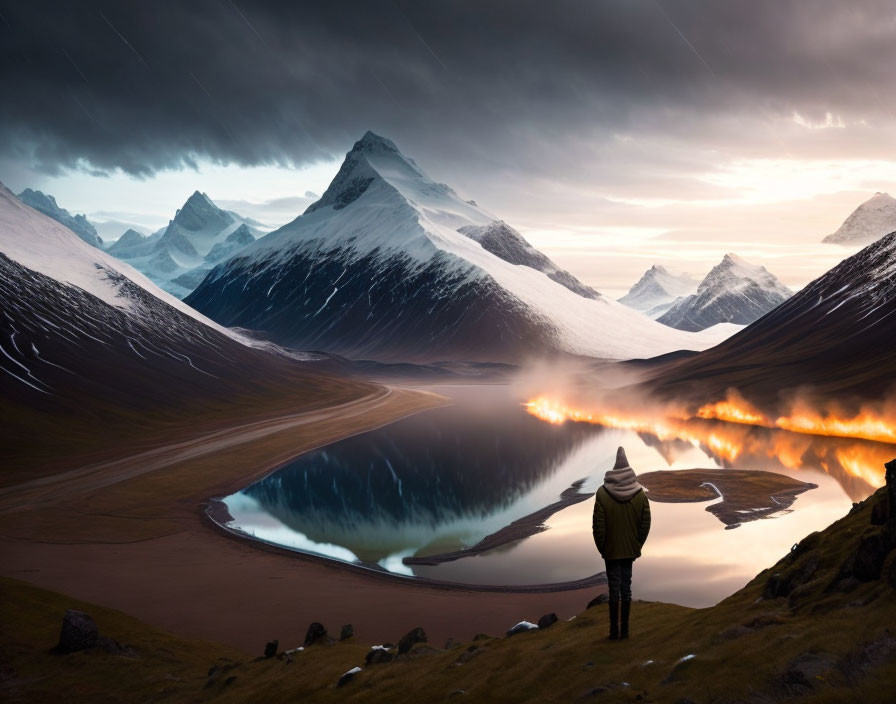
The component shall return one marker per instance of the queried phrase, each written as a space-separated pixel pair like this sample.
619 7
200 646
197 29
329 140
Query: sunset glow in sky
613 135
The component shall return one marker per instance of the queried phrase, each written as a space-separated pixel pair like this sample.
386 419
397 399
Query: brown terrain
130 533
746 495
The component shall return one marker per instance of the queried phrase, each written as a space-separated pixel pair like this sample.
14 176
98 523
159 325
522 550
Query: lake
442 480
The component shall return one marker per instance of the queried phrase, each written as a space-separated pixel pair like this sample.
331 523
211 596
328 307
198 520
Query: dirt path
92 477
131 534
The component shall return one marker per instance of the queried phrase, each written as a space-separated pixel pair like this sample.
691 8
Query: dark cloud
505 85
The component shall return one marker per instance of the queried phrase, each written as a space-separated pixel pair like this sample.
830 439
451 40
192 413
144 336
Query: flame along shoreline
734 441
866 425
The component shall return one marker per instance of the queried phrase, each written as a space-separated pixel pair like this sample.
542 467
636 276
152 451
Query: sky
614 134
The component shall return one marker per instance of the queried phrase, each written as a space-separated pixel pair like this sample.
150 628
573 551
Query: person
620 525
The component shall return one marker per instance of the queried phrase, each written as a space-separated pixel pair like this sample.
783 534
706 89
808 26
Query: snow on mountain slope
177 257
657 290
833 338
79 224
872 220
503 241
734 291
44 246
378 268
84 330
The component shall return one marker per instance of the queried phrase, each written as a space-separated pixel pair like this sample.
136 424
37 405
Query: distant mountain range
734 291
83 333
869 222
79 224
178 256
390 265
834 337
657 290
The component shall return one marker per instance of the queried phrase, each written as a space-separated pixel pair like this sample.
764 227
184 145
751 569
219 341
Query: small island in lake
746 494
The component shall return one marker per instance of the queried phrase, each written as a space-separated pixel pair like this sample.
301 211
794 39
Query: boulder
348 677
79 632
805 671
378 655
270 648
410 639
783 583
866 563
597 601
521 627
316 633
547 620
347 632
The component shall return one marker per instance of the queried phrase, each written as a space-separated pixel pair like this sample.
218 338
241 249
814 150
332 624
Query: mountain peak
869 222
199 213
372 141
46 204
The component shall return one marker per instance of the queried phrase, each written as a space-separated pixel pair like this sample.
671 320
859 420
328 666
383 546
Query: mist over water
444 479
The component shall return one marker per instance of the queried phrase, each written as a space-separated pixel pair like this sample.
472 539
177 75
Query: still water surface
444 479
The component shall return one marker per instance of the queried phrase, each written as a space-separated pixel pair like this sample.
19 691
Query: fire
734 409
867 425
728 430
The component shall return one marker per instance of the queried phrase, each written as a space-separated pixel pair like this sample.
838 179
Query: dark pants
619 579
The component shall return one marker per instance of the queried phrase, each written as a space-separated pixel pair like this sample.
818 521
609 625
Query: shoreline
132 535
216 515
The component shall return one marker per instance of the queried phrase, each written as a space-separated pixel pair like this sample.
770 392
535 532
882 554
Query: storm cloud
505 85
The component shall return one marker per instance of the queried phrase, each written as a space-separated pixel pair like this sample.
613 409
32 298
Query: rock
348 677
597 601
522 627
79 632
378 655
482 636
270 648
889 570
547 620
804 671
866 563
113 647
410 639
457 693
783 583
451 643
316 633
880 513
216 672
468 654
348 631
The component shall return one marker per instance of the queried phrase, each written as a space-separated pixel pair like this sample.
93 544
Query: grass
744 649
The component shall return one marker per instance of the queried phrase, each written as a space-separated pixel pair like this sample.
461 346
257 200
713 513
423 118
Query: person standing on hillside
620 525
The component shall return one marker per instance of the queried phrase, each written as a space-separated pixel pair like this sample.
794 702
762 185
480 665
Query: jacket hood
621 483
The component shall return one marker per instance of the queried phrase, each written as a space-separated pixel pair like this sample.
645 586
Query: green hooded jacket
620 527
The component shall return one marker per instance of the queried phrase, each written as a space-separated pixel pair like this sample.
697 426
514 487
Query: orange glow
867 424
726 431
734 409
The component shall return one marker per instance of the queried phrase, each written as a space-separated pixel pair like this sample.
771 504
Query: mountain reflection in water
444 479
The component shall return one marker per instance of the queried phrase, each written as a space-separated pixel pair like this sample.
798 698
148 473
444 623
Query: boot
614 619
626 610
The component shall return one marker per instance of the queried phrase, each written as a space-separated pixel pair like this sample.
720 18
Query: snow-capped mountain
391 265
657 290
83 329
503 241
734 291
872 220
179 256
833 338
79 224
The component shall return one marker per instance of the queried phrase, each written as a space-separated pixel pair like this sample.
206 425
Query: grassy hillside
819 625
